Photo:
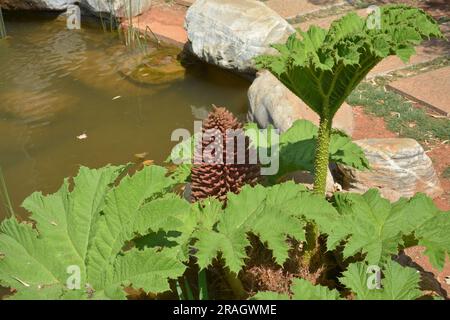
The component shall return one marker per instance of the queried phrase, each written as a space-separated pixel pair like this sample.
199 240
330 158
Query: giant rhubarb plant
323 67
102 234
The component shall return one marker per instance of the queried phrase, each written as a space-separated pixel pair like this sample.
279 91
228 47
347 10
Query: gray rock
399 168
36 4
272 103
230 33
119 8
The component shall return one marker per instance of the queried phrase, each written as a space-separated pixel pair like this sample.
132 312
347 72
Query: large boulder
271 102
399 168
230 33
119 8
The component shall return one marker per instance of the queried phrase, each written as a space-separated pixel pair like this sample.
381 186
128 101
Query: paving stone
430 88
290 9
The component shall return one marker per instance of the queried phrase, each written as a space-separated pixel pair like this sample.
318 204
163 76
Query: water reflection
56 84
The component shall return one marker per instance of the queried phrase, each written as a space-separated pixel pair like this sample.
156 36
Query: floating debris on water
82 136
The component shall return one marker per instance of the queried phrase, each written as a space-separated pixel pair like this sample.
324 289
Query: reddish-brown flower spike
211 177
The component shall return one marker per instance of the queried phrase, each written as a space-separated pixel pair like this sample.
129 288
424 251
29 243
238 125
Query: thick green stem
312 237
320 183
322 156
235 284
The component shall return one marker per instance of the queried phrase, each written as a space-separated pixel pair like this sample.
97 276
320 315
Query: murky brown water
57 84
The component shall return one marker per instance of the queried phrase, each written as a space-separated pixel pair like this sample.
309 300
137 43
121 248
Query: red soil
166 22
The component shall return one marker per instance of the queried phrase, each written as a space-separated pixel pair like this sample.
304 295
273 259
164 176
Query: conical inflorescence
224 160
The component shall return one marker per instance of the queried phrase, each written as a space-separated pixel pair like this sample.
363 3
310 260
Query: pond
71 98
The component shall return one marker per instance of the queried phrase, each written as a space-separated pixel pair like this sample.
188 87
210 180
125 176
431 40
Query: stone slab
167 23
430 88
290 9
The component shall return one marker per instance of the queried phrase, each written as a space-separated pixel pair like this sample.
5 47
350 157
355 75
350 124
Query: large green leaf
398 283
168 224
49 293
297 147
324 66
117 223
435 236
270 213
87 228
147 269
372 225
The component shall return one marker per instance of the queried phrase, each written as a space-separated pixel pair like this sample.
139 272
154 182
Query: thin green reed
131 35
4 195
2 26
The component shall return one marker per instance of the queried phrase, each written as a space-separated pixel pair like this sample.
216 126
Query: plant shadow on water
58 84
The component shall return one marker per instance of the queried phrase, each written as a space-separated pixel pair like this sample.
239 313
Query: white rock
272 103
119 8
230 33
36 4
399 167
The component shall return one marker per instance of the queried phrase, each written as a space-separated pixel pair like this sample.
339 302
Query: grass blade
179 291
4 196
2 26
189 294
203 285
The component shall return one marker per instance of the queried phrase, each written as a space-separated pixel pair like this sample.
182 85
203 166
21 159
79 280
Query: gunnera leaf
396 283
322 67
371 225
77 237
272 214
